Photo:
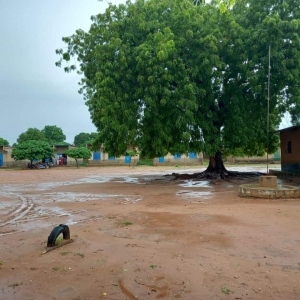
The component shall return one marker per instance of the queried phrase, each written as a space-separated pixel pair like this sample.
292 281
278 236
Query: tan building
100 158
7 161
190 158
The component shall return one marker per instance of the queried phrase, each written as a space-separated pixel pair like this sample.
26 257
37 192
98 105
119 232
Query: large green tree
3 142
84 138
77 153
31 134
179 75
31 150
53 134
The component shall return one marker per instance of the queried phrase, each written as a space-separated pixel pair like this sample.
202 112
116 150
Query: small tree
80 152
3 142
32 150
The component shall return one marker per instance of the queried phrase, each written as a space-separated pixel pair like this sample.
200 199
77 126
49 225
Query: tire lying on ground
56 231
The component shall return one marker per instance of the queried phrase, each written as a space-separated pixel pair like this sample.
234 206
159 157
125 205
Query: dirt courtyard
138 234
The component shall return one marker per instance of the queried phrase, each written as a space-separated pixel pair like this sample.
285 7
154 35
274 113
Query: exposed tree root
214 175
217 170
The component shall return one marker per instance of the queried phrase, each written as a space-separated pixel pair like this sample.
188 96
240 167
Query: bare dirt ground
140 235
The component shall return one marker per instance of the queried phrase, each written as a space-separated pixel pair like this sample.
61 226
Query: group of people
61 160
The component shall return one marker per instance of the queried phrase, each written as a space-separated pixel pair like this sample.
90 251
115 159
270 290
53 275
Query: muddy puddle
24 206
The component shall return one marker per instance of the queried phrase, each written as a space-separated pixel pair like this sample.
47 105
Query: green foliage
53 134
83 138
153 266
32 150
3 142
58 240
79 152
32 134
225 290
131 153
171 76
125 223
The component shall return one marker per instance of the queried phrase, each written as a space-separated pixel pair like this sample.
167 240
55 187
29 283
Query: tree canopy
172 76
84 138
53 134
31 134
32 150
3 142
77 153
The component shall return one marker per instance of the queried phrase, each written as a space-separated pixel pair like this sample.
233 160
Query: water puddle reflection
193 194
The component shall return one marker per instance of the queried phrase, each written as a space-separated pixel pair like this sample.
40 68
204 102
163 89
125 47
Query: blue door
192 155
97 156
111 158
177 156
161 159
1 160
127 159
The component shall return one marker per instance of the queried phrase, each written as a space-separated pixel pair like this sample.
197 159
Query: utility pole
269 67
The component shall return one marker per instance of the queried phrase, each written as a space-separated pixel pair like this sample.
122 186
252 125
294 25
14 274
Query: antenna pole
268 109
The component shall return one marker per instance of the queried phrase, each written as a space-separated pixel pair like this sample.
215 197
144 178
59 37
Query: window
289 147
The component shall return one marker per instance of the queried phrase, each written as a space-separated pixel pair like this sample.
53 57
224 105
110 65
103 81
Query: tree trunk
216 170
77 162
216 164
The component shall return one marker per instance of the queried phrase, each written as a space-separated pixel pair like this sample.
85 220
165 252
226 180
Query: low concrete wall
17 163
285 175
291 167
256 191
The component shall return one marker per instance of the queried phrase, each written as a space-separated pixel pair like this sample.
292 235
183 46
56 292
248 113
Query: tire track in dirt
20 212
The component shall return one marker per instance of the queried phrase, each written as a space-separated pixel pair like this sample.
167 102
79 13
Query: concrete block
268 181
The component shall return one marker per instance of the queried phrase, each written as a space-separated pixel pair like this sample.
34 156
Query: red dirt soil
140 235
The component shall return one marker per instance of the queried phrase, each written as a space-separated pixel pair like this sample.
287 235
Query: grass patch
153 266
226 290
125 223
1 262
55 268
65 253
80 254
58 241
84 164
145 162
15 284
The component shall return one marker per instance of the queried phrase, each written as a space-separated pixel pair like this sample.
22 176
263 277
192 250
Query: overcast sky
33 91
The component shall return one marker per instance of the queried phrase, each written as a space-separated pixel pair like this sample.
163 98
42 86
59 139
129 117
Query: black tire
64 229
